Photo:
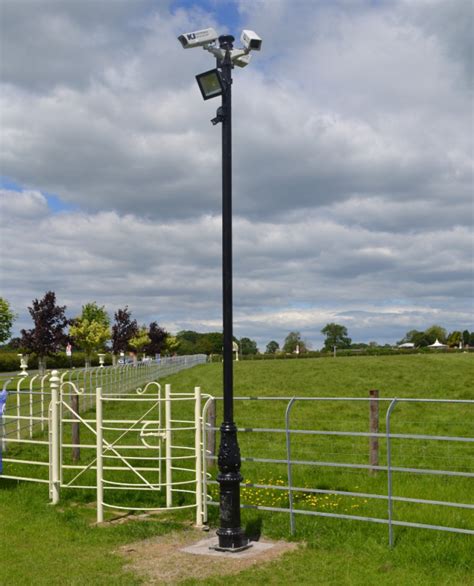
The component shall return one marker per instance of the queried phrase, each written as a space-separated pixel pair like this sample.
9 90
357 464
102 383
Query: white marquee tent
437 344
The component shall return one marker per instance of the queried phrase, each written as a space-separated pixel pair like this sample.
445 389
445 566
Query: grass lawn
60 545
414 375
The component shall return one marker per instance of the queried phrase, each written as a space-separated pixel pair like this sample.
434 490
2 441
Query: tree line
422 339
90 332
335 335
93 331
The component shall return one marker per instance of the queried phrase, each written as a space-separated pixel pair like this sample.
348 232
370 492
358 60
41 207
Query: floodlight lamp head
210 84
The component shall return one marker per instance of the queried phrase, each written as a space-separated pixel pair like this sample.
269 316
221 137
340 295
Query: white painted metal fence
130 440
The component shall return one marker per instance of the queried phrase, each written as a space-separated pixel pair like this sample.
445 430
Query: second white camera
251 40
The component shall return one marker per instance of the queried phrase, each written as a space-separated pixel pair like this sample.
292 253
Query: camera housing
198 38
241 60
251 40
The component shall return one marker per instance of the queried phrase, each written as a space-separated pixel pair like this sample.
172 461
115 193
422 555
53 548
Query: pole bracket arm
220 116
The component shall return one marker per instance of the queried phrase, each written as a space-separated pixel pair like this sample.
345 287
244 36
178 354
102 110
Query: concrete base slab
207 547
183 555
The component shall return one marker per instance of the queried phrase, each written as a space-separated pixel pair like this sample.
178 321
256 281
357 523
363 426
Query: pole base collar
231 549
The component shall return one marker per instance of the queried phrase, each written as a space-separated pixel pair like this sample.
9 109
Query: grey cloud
452 24
68 43
145 146
29 205
171 271
352 167
392 215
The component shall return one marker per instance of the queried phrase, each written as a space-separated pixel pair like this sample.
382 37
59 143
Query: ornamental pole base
228 543
232 540
231 537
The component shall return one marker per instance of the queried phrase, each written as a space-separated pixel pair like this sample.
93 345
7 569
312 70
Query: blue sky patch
55 203
7 183
224 11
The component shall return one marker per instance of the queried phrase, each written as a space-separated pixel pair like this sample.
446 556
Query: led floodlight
210 84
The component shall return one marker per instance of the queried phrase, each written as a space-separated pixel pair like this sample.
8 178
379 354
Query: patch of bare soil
160 560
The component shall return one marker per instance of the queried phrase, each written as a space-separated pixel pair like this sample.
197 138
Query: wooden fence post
374 428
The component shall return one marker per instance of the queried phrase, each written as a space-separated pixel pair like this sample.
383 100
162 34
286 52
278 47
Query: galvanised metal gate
310 457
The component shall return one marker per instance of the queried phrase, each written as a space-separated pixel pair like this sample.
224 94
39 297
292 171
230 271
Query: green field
59 545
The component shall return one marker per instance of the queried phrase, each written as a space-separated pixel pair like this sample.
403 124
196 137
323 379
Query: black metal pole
231 536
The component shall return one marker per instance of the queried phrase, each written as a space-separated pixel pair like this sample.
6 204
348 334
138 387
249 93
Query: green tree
7 317
188 340
171 345
465 337
91 330
294 341
185 347
272 347
336 335
455 339
191 342
140 340
210 343
416 337
436 332
248 347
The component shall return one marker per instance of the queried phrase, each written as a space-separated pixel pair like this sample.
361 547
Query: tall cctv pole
218 82
231 536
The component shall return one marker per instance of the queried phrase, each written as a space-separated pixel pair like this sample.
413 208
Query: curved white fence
102 429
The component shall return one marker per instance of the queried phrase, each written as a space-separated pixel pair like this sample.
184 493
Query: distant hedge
10 361
375 351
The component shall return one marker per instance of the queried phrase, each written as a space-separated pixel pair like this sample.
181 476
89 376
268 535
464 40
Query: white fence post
99 455
55 439
31 407
198 452
168 438
18 409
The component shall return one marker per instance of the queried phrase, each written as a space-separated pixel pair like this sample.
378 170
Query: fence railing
27 410
122 442
316 456
334 457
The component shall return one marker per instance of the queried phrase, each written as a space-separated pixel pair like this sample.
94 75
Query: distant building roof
407 345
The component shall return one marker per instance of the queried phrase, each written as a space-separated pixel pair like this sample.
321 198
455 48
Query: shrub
10 361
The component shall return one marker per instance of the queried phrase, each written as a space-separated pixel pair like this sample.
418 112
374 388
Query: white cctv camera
198 38
241 60
251 40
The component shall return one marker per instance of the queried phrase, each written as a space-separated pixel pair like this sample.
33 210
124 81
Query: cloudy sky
353 177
